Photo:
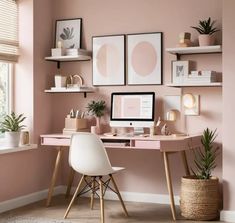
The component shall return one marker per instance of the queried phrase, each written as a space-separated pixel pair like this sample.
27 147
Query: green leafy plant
206 27
205 158
96 108
12 123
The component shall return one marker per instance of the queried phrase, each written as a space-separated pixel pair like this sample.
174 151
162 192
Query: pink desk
165 144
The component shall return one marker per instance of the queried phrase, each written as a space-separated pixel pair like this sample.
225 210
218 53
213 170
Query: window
5 88
9 30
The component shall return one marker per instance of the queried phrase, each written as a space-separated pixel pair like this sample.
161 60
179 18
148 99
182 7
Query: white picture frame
68 33
180 69
108 65
144 58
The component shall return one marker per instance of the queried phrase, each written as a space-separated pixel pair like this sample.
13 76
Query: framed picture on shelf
179 70
144 58
68 33
108 66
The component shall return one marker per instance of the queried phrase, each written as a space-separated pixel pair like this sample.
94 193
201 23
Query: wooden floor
81 213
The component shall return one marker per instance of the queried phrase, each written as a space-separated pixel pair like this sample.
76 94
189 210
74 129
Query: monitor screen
132 106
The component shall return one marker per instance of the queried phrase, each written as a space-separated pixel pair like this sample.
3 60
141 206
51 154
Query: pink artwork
108 60
144 58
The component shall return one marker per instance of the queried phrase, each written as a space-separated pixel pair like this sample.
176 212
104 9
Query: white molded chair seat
88 156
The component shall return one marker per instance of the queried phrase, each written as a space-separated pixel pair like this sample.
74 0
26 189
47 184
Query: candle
59 44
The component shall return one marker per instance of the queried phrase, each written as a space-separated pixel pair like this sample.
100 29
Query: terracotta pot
206 40
199 199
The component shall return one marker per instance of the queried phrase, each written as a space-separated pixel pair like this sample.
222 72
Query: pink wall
106 17
228 105
30 171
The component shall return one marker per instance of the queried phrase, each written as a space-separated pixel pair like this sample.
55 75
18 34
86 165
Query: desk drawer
55 141
147 144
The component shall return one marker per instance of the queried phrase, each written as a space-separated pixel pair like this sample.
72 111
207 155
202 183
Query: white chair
88 156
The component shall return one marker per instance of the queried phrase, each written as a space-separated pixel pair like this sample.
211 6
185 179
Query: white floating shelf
70 91
69 58
215 84
195 50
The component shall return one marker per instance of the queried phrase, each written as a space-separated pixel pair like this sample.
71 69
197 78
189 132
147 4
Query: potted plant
206 30
11 126
200 193
96 108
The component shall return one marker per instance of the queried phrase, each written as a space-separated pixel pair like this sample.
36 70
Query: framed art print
68 33
180 70
144 58
108 60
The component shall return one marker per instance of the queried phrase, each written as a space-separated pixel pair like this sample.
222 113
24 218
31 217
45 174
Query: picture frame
111 71
144 58
68 33
179 70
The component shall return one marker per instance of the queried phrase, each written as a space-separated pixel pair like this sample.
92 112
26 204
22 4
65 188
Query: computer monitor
132 109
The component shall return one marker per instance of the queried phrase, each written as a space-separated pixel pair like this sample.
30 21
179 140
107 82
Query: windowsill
5 149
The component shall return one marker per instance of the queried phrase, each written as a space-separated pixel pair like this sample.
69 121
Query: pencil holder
75 123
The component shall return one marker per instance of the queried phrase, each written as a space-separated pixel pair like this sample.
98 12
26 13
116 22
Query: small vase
206 40
98 128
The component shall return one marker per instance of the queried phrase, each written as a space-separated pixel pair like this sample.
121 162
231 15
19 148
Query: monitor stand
138 131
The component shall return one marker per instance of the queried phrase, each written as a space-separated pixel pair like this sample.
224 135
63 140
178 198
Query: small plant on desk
200 192
97 109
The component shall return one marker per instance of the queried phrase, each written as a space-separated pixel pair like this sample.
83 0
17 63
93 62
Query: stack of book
77 52
205 77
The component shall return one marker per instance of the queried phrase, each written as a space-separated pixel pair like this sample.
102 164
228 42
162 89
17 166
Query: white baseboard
127 196
227 216
28 199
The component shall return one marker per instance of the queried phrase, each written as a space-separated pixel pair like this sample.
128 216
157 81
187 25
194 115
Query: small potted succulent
206 30
11 126
96 108
199 199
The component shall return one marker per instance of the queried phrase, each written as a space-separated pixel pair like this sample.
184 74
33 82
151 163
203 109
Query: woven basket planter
199 198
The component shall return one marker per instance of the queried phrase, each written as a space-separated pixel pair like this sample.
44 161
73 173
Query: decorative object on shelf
75 81
108 60
200 193
68 33
191 104
57 52
180 69
206 30
11 126
60 81
77 52
184 40
144 58
96 108
165 130
204 76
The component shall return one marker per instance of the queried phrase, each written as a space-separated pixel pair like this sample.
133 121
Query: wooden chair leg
101 200
92 192
119 195
74 196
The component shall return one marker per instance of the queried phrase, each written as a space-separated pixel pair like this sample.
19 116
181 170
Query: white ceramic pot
206 40
12 139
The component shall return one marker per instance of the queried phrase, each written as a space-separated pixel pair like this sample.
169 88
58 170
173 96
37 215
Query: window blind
9 43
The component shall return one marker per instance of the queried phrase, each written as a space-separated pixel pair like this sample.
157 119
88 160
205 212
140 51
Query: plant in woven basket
205 158
199 197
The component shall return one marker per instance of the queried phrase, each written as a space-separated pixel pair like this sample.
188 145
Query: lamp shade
171 115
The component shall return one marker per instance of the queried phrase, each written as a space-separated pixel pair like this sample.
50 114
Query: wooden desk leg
70 181
169 184
185 162
54 176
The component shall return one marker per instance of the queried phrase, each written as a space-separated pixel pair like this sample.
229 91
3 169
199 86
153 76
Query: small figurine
165 130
